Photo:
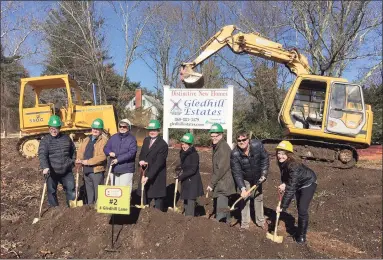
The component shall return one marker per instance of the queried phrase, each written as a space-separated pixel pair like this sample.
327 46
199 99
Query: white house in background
146 102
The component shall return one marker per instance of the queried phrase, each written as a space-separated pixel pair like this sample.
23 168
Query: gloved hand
46 173
261 180
209 188
113 162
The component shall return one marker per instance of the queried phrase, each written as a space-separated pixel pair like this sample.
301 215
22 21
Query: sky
138 71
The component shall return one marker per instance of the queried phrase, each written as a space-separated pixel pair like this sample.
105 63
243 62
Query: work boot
300 236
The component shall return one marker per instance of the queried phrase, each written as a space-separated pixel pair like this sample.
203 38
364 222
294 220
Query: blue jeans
67 181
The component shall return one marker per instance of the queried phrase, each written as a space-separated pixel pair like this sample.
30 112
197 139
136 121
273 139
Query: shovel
76 203
238 200
142 206
274 237
175 209
108 176
35 220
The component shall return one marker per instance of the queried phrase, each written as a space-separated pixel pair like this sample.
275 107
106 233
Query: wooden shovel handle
108 176
77 175
278 214
238 200
175 194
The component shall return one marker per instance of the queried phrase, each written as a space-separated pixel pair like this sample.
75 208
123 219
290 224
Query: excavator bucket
191 79
194 81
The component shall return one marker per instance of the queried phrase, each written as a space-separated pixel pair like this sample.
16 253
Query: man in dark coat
57 155
249 165
222 182
190 178
153 155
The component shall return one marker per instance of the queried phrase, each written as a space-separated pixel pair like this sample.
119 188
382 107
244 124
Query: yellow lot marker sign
113 199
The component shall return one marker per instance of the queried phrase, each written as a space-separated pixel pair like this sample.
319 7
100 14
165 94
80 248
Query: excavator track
28 145
341 156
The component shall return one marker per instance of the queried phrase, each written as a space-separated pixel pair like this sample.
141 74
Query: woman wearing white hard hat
122 149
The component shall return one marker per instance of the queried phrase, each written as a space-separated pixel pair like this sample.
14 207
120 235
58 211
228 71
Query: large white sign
198 109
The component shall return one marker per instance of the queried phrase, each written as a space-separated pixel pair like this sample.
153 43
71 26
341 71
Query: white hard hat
126 121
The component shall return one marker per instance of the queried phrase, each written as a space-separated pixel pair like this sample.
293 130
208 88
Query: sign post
113 200
198 109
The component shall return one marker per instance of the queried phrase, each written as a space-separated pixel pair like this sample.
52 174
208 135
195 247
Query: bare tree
134 21
164 43
336 33
75 32
17 26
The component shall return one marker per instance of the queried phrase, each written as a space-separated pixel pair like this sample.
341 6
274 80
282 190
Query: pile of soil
345 220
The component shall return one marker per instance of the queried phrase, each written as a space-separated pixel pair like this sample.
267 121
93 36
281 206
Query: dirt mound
345 221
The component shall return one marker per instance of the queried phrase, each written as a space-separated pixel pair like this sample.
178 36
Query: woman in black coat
296 179
190 178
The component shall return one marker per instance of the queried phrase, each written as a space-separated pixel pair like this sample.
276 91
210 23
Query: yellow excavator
325 118
76 116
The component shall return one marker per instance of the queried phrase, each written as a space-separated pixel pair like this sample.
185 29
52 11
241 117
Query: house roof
155 102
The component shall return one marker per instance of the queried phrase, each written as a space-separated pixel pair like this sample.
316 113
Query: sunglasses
214 136
241 140
123 126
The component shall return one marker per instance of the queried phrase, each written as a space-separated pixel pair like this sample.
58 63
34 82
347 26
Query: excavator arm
250 43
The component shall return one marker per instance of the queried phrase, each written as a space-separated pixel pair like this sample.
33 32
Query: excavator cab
326 108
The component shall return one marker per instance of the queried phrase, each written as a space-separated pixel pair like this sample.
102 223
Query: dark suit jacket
156 172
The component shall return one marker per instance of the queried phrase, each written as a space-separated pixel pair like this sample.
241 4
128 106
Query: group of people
240 168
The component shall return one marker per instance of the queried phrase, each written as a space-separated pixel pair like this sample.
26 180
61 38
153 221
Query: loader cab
41 97
325 107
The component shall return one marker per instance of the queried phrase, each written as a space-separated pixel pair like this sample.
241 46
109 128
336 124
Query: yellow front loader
76 115
324 117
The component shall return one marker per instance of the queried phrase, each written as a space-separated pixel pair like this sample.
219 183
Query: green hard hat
98 124
187 138
216 128
153 125
54 121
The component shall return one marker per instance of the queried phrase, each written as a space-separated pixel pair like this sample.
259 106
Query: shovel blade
140 206
276 239
35 220
177 210
75 203
72 204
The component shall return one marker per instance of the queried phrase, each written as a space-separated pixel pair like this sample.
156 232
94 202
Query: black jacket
156 172
190 178
295 176
57 153
251 167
